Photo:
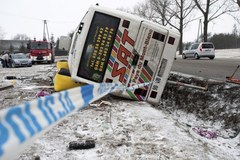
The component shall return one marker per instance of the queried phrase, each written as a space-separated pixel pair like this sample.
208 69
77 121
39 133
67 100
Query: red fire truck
41 51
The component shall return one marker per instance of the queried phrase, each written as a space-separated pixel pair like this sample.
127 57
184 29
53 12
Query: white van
198 50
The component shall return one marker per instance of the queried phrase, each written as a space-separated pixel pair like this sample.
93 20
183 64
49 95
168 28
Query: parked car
20 59
198 50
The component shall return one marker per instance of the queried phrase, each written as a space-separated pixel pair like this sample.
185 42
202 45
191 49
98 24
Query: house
13 45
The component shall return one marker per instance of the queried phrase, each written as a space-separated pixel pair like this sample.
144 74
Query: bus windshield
98 45
39 45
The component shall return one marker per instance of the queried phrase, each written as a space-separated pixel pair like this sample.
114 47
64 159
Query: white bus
117 47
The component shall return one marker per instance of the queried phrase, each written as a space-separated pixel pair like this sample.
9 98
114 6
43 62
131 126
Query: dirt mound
219 103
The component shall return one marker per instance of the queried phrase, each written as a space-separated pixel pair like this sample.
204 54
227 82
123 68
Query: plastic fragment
205 133
42 93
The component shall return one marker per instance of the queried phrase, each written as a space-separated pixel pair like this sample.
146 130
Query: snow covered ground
124 129
228 53
224 53
129 130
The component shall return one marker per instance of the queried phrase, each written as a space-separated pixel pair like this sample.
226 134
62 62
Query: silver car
198 50
20 59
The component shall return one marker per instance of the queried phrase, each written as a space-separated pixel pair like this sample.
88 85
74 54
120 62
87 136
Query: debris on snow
205 133
4 86
10 77
75 145
42 93
101 103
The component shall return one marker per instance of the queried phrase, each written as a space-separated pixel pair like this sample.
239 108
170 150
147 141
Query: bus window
98 46
158 36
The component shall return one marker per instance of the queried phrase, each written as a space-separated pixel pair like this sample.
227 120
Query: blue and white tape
20 125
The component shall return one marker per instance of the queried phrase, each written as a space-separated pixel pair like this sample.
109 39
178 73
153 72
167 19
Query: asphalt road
216 69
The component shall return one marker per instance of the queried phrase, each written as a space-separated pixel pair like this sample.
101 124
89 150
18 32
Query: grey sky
63 16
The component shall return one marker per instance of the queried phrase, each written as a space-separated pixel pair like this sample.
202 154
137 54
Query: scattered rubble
75 145
4 86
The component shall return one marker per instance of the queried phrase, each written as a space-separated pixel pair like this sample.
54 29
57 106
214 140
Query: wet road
216 69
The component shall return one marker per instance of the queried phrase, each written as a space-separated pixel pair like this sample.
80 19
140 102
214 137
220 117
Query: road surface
216 69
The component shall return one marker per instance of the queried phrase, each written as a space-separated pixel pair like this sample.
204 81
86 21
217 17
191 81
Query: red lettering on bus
117 72
126 38
123 54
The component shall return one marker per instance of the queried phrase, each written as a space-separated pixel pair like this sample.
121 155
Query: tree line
225 40
179 13
221 41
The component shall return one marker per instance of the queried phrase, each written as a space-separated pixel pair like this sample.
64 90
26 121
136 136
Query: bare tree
235 31
160 7
177 13
238 2
145 10
212 9
21 37
11 48
1 33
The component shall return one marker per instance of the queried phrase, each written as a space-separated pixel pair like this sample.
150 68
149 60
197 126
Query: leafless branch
238 2
199 6
213 2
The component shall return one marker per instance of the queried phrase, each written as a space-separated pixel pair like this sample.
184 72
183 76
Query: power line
32 18
19 16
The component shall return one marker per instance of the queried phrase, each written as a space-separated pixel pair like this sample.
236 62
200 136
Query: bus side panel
149 46
119 64
164 68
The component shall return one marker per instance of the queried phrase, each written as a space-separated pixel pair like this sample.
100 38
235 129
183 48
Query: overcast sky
63 16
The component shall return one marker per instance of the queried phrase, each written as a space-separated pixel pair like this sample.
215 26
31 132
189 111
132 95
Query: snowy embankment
228 53
129 130
223 53
124 129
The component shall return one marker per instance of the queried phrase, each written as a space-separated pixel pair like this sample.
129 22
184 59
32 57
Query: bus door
147 54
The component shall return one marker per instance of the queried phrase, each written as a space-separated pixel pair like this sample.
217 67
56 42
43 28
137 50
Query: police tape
20 125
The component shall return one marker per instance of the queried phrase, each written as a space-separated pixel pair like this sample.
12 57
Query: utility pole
199 28
45 30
